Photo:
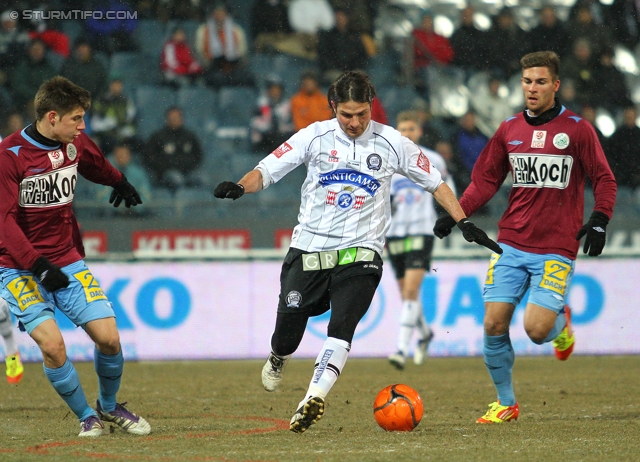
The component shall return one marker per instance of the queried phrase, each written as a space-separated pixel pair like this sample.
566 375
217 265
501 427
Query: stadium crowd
181 87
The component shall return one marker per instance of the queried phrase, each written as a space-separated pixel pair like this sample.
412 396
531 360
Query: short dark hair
547 59
351 86
60 95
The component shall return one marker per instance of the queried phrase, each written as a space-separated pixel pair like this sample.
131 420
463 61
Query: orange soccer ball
398 408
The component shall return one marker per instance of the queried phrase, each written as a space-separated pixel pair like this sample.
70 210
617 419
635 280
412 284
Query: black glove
444 226
124 191
474 234
596 231
51 277
229 190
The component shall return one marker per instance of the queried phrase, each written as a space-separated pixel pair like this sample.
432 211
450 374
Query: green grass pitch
586 409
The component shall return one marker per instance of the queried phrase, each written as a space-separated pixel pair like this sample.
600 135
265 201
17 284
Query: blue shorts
548 277
82 301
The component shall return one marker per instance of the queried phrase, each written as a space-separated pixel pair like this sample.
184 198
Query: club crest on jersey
282 150
333 156
345 199
561 141
294 298
423 163
374 161
56 157
539 137
72 152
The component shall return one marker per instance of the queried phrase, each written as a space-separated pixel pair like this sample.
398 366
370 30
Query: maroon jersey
37 185
548 164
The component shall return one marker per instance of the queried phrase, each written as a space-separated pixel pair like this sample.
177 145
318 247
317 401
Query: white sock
423 326
6 329
329 365
409 318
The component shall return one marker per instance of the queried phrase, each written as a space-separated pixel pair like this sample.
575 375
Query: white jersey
413 211
345 196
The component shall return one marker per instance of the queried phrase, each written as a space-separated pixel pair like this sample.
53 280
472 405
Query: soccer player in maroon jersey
41 266
548 150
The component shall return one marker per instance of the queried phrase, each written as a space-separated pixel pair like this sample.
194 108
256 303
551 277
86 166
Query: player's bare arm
447 199
252 182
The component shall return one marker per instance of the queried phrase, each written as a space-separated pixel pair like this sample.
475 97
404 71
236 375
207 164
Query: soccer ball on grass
398 408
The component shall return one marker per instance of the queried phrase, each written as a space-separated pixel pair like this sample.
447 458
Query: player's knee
536 333
494 327
109 345
54 352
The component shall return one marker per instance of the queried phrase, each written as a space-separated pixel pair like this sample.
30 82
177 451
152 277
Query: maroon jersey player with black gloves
549 151
41 266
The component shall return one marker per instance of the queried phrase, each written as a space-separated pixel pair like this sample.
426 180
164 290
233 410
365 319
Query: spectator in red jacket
428 48
179 67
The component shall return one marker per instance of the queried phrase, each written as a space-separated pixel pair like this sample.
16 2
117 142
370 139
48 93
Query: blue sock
499 358
66 382
561 321
109 370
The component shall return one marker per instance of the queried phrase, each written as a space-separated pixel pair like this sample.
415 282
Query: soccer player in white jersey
15 369
410 242
334 259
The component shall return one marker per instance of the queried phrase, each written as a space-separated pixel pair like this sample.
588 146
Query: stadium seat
383 69
236 105
138 67
150 35
448 94
73 29
199 107
55 60
396 99
152 102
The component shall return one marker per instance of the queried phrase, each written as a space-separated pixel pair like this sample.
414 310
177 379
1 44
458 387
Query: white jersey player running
410 243
334 260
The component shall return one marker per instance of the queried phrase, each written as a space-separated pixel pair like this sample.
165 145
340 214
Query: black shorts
411 252
307 277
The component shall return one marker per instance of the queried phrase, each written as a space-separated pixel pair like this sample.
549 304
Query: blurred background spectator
307 18
468 142
28 75
113 118
173 154
470 52
612 93
222 45
491 109
506 43
623 153
179 67
580 67
125 161
310 103
13 41
582 26
550 31
429 48
272 124
84 69
12 123
270 25
340 49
